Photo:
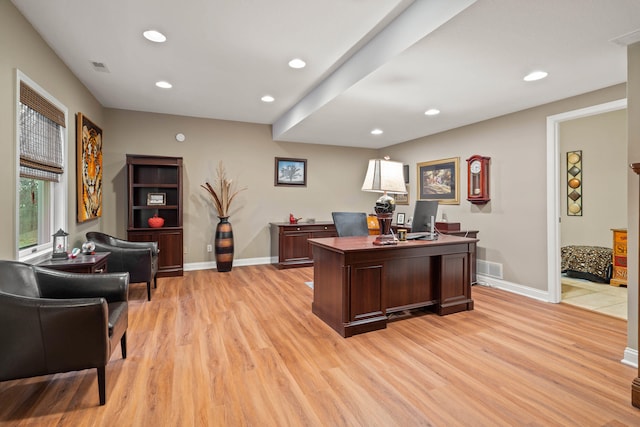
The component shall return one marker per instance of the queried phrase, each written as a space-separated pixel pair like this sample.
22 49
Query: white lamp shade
384 176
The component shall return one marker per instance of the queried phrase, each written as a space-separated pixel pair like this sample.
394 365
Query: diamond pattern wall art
574 183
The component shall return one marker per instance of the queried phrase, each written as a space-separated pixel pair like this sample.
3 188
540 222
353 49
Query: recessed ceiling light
267 98
154 36
164 85
535 75
297 63
432 112
377 132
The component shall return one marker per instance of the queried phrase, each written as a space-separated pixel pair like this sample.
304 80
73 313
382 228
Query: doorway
593 152
554 183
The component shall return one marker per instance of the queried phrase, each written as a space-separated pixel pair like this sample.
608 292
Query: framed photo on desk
400 219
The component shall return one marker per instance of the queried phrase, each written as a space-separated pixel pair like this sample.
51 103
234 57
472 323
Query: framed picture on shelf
438 180
157 199
89 168
290 172
400 219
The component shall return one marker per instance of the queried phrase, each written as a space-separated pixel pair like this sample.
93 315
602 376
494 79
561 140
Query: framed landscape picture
290 172
401 199
439 180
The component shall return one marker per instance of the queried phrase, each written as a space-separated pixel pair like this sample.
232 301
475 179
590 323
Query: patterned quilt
587 262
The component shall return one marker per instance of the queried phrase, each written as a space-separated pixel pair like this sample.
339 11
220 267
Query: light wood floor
243 348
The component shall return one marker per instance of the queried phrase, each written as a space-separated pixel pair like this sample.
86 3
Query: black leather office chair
139 259
52 321
350 223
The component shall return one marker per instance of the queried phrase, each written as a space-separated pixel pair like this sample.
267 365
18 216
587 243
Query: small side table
96 263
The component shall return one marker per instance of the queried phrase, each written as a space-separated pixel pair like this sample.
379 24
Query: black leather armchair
52 321
350 223
139 259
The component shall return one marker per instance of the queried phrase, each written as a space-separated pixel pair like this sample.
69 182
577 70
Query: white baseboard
513 287
209 265
630 357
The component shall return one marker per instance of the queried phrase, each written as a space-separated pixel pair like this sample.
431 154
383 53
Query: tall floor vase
224 245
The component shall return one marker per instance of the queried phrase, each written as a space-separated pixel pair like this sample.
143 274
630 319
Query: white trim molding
630 357
515 288
210 265
553 188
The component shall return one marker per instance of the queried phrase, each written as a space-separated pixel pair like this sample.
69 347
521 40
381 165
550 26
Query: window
41 193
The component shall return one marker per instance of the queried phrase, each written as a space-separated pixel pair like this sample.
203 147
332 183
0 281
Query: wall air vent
99 66
489 268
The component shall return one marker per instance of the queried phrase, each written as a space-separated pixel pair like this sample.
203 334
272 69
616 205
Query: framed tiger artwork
89 169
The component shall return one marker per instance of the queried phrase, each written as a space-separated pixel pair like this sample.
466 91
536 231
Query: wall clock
478 179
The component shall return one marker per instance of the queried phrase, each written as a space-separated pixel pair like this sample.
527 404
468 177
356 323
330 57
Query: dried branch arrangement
222 192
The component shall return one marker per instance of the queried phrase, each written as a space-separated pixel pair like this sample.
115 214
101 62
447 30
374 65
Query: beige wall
334 177
513 225
22 48
603 141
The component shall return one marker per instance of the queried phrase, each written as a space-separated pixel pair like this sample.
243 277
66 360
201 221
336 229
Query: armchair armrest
42 336
127 244
59 284
139 261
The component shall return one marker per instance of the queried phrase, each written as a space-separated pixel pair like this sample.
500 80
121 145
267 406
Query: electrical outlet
209 248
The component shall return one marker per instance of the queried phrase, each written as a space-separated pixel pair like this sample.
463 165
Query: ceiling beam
416 22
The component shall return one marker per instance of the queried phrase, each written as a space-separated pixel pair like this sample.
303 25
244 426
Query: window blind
41 142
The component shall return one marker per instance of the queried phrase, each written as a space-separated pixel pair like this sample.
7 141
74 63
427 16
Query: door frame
553 188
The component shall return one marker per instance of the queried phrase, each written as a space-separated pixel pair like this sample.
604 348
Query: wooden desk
96 263
357 284
473 234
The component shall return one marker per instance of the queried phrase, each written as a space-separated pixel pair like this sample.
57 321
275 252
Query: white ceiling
370 63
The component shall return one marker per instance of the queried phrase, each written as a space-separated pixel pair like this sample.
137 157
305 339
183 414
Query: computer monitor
424 211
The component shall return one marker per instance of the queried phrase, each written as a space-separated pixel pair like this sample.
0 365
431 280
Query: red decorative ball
156 222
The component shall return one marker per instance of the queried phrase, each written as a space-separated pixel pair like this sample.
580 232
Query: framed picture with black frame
290 172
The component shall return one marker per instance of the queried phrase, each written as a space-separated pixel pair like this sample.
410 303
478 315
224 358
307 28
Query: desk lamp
385 176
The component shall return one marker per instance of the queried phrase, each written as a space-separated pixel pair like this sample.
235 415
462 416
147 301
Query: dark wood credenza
289 242
358 284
